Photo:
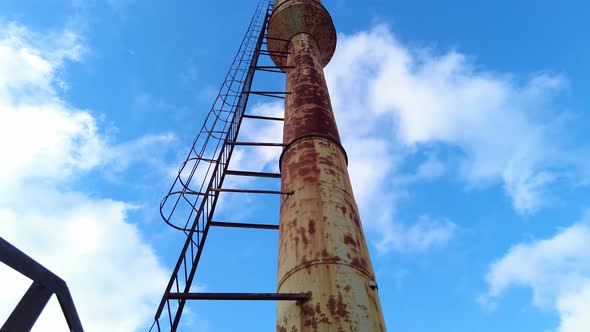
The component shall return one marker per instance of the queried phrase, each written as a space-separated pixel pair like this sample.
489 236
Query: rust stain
357 222
349 240
360 263
303 234
343 209
337 307
309 313
311 227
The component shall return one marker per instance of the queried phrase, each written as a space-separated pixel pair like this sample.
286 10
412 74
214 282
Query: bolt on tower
326 280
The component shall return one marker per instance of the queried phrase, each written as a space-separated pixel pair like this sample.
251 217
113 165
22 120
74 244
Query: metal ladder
190 204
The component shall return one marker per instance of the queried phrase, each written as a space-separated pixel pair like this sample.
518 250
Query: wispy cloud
505 129
557 270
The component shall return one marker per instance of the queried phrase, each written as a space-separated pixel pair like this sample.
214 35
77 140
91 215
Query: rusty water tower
326 280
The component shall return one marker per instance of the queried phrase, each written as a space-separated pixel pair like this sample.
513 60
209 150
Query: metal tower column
322 248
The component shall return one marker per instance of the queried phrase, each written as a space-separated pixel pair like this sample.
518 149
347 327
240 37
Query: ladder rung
263 117
278 71
241 296
247 191
255 144
243 225
254 174
272 67
270 94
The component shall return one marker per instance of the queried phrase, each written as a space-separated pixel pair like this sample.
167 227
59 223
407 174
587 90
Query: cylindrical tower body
322 247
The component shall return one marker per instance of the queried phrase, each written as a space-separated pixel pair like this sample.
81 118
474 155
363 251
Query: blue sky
465 123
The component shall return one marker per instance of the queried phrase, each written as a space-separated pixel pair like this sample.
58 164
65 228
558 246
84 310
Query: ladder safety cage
190 204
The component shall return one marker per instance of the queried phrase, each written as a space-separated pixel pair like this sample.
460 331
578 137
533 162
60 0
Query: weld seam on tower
308 137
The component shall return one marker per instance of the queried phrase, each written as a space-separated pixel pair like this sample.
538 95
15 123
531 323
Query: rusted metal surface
322 247
292 17
309 94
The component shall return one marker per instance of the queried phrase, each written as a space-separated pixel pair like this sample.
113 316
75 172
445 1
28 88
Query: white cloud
556 269
506 130
372 161
574 310
376 155
113 275
422 235
46 144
